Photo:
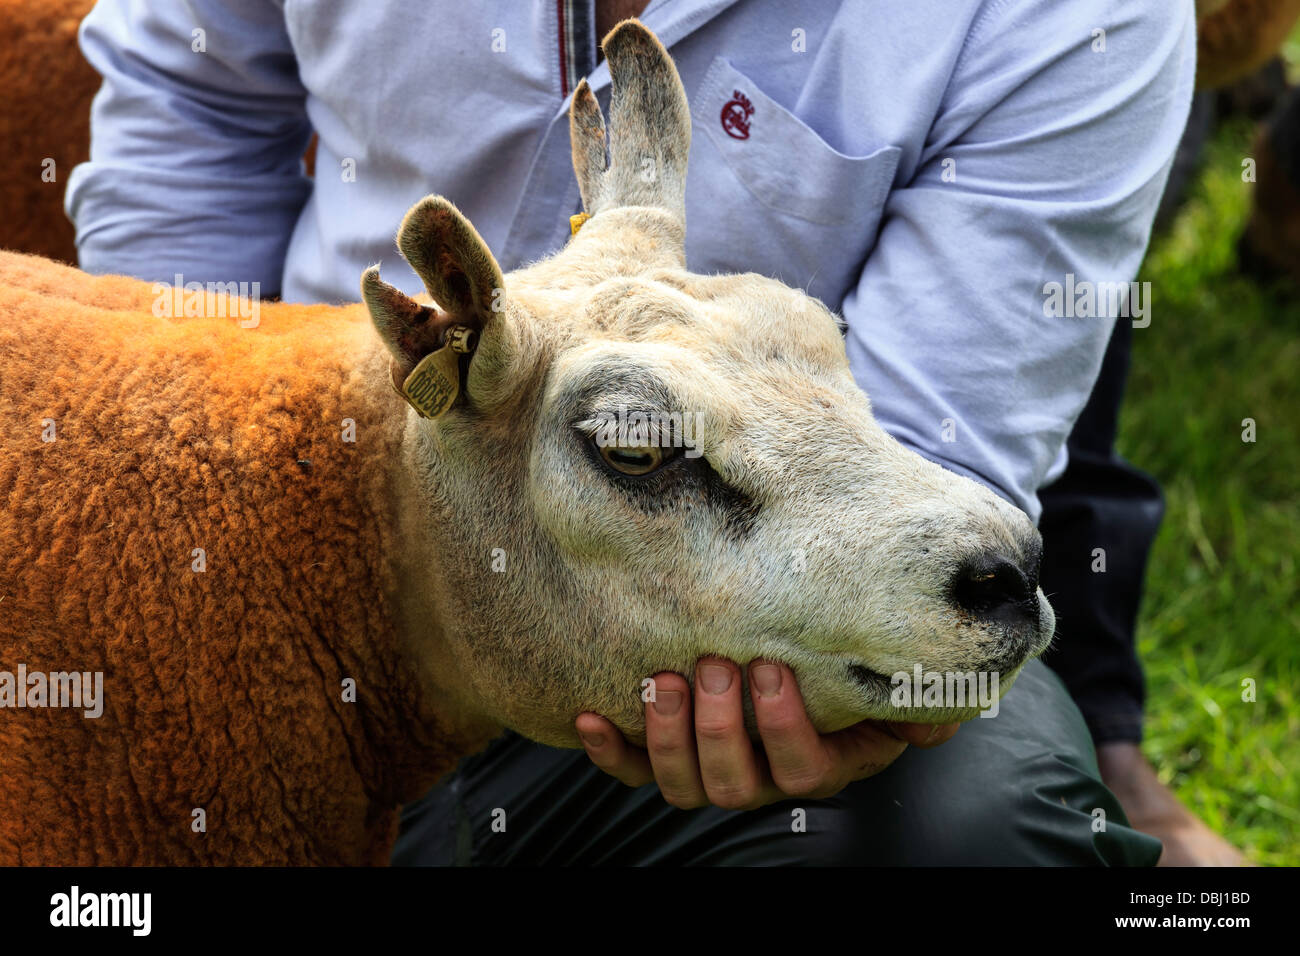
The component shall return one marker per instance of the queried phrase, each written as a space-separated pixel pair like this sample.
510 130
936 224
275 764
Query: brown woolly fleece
223 688
45 113
1236 38
1270 246
45 91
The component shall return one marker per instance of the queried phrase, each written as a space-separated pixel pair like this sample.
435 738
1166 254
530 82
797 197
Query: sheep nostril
995 589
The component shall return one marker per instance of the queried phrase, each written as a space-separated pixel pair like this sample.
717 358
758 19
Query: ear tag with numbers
434 384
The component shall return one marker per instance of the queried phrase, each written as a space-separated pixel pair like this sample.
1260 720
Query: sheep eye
634 459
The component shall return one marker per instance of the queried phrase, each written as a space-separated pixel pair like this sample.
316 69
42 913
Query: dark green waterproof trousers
1018 789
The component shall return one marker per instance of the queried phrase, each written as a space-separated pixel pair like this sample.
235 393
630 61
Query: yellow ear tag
576 221
434 384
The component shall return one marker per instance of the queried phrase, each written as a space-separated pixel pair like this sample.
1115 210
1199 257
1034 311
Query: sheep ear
430 345
427 346
410 330
452 261
649 128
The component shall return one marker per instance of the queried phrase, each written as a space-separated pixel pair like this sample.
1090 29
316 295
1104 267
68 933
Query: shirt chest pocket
765 193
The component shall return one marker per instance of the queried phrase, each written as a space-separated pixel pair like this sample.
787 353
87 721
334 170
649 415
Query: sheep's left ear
452 260
431 346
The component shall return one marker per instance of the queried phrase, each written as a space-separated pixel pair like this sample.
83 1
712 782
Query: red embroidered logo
736 114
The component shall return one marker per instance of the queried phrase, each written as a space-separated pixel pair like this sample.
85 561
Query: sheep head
641 466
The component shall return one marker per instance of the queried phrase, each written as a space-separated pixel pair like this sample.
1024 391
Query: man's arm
196 142
1047 160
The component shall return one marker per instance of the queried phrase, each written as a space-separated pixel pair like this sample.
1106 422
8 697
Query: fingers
864 749
730 773
923 735
611 753
799 763
699 753
670 741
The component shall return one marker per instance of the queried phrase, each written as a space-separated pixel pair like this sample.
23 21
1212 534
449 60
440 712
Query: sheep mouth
880 687
871 680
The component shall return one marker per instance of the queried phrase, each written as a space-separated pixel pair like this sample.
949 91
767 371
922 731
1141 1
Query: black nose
995 589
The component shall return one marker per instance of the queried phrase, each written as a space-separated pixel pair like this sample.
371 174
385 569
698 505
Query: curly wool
223 687
1236 37
44 115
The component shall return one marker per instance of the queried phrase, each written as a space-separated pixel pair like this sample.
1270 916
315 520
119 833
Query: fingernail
714 678
767 679
668 702
593 740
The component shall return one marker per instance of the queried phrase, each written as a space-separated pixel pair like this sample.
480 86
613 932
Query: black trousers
1021 788
1102 509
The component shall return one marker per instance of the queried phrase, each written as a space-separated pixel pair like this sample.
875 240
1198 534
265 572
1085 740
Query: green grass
1221 602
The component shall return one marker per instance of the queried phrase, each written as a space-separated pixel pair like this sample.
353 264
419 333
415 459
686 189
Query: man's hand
702 755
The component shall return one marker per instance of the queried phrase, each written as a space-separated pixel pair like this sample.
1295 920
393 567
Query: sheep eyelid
663 488
592 427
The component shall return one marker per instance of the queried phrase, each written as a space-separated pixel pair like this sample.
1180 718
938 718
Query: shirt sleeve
1045 164
197 135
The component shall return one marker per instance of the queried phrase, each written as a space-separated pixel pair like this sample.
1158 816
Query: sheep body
44 122
223 687
1236 38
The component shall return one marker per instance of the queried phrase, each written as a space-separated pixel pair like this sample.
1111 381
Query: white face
763 513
